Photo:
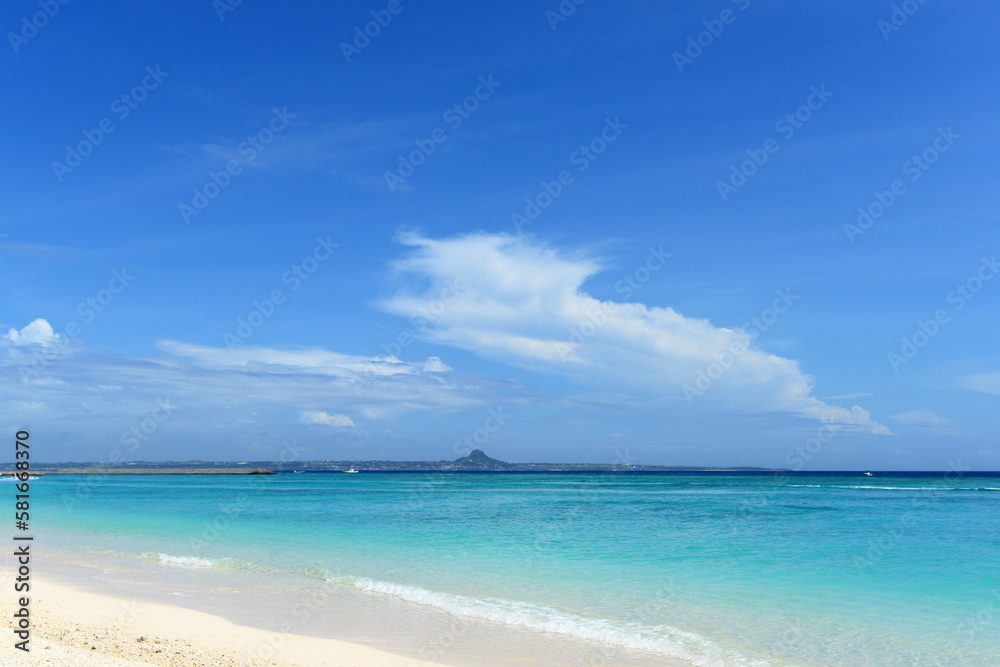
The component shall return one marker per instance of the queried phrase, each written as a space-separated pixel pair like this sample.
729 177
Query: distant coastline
476 461
98 469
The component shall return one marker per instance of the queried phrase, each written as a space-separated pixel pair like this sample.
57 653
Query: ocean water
712 569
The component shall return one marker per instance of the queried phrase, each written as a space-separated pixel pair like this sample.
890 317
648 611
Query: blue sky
614 322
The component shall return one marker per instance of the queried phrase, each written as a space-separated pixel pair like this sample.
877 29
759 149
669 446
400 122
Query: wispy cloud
320 417
924 417
375 387
988 383
221 386
353 152
846 397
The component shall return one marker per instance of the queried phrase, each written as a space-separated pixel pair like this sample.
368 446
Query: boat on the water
351 469
867 473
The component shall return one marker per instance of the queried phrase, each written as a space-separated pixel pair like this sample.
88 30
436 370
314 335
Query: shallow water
713 569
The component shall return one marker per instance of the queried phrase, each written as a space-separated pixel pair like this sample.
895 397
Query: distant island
475 461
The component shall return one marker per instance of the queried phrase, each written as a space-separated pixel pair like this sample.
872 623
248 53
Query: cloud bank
523 303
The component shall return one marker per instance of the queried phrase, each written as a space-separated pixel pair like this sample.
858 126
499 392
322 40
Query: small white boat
351 469
867 473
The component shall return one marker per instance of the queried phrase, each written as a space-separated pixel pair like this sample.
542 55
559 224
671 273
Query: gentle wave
200 562
193 562
888 488
660 639
185 561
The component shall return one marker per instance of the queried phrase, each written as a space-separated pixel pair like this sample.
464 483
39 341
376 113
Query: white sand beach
73 627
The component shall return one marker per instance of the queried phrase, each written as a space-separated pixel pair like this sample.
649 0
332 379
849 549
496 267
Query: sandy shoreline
89 611
73 627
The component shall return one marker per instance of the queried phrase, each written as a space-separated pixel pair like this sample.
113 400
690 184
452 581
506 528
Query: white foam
869 486
185 561
660 639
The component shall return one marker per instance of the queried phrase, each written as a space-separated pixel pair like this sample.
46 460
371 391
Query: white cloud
374 387
924 417
520 302
38 332
301 360
988 383
320 417
260 382
230 398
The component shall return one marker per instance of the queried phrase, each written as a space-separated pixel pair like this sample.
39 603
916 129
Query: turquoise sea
713 569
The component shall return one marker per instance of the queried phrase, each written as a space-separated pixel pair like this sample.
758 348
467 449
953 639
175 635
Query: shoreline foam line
672 643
